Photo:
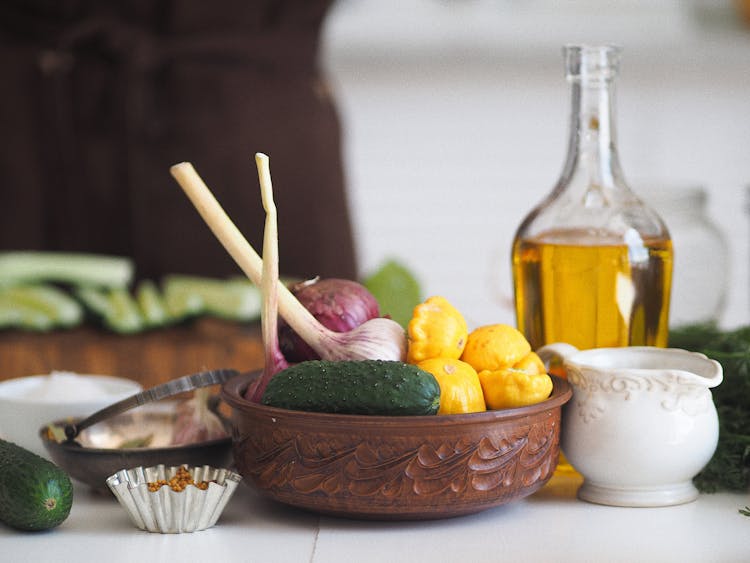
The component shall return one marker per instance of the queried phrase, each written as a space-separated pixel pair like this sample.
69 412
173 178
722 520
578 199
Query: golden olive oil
592 294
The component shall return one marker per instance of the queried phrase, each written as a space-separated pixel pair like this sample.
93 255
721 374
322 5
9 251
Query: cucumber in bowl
372 387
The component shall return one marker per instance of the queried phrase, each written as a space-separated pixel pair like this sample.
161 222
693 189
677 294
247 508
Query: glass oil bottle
592 264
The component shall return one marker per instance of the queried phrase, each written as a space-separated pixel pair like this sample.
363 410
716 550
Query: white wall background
455 116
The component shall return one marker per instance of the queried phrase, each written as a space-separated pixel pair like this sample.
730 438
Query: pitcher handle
555 353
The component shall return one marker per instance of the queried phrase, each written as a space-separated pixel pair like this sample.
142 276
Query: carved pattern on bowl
284 460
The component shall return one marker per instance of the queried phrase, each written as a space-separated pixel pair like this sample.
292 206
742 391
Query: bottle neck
592 145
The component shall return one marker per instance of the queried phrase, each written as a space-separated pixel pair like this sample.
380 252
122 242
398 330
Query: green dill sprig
729 468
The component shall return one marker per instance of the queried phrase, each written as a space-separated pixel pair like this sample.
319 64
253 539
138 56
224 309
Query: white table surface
551 525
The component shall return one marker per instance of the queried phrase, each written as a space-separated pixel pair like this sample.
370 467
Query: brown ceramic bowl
401 467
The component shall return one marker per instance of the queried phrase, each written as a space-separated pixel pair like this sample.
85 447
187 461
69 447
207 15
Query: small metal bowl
168 511
120 442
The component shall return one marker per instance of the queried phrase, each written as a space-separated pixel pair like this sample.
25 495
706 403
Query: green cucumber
125 315
65 267
151 304
56 304
94 300
116 308
14 315
35 494
181 303
372 387
235 299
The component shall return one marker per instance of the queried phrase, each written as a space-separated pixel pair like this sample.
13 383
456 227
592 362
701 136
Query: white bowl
641 424
28 403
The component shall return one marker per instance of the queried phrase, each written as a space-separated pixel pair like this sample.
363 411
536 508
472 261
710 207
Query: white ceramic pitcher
641 424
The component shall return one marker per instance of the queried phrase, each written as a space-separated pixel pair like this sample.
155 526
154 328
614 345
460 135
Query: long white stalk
274 359
298 317
378 338
269 292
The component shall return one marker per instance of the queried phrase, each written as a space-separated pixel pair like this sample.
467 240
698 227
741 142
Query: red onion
340 305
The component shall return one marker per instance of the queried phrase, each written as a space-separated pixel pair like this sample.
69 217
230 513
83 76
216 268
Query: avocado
35 494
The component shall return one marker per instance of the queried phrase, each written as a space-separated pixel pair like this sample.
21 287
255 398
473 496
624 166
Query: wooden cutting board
151 358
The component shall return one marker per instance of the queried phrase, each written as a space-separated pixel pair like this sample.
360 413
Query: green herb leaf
396 289
729 468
